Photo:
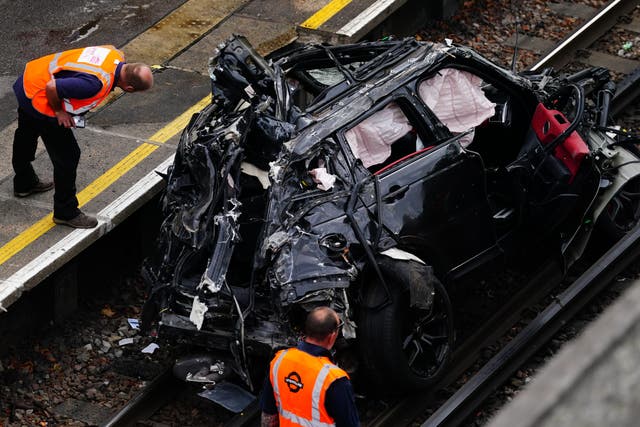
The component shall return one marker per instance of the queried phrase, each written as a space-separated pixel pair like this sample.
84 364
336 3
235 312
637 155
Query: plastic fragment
134 323
150 348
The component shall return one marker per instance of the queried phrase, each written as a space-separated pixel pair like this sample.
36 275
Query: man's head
135 77
322 327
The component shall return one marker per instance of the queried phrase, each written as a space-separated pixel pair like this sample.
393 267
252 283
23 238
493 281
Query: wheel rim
427 336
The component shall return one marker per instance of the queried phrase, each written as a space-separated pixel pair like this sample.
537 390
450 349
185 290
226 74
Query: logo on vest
294 382
94 55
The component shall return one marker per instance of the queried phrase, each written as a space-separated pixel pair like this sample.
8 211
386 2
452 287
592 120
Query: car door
433 194
436 204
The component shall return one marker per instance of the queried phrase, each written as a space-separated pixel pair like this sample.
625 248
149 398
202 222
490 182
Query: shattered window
457 99
372 139
327 76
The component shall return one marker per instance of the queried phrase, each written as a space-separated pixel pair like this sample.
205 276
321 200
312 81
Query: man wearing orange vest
304 387
54 93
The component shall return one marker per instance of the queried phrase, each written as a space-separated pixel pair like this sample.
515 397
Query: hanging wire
515 8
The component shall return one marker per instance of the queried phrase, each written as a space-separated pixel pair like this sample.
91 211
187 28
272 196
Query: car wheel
405 347
621 213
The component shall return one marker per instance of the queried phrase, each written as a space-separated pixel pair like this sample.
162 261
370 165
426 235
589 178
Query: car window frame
416 118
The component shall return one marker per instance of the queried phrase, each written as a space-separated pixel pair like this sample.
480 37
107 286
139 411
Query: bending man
54 93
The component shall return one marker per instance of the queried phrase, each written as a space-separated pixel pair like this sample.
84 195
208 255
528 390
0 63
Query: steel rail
627 91
537 332
586 35
155 395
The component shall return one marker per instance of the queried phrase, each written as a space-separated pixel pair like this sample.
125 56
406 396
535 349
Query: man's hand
65 119
269 420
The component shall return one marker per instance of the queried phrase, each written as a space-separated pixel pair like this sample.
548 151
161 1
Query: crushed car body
371 178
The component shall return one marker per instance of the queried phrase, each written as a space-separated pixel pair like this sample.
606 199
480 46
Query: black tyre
620 215
403 347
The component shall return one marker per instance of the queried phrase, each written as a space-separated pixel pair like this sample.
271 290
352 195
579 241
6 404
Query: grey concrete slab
350 11
573 9
6 85
634 25
8 107
534 44
40 200
20 214
264 35
17 216
128 180
8 102
612 62
99 155
6 144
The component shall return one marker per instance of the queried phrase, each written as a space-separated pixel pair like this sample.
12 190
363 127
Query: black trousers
64 153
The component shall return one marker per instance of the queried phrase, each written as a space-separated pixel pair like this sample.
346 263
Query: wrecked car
372 178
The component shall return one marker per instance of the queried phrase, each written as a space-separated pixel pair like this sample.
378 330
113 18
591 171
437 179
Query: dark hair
320 323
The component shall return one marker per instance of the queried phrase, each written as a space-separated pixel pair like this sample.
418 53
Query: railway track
150 399
583 47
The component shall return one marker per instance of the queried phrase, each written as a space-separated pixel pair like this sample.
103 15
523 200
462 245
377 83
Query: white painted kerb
75 242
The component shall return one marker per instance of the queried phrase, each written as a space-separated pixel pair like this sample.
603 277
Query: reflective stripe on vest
274 381
316 395
99 61
317 388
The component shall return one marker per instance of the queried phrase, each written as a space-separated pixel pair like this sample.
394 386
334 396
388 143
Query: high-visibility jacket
300 382
100 61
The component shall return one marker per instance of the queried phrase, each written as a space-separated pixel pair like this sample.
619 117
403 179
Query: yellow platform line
105 180
324 14
141 152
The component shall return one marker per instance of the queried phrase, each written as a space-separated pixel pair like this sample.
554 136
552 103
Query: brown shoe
80 221
40 187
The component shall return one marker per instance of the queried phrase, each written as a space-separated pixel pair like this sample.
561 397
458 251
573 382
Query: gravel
488 25
82 359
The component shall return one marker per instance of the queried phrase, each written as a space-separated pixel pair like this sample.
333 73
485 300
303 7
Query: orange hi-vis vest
100 61
300 382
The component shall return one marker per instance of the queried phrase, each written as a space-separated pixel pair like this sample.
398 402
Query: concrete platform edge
59 254
564 372
369 18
